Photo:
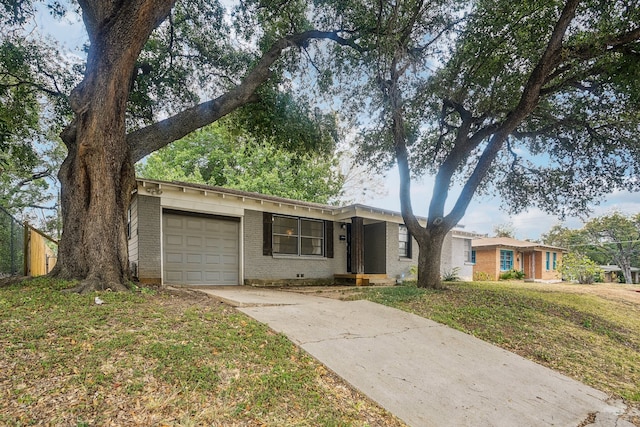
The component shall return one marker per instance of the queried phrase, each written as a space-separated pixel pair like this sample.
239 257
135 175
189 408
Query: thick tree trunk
429 259
97 177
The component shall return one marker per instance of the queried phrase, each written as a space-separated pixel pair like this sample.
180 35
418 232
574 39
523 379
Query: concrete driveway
425 373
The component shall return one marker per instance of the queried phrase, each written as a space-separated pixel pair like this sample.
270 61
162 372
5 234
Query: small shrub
452 275
512 275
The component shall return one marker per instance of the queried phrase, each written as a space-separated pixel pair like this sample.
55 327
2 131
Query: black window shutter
328 238
267 234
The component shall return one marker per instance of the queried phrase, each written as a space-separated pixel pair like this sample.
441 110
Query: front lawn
158 359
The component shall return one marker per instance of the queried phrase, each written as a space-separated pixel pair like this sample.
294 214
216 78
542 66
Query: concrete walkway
423 372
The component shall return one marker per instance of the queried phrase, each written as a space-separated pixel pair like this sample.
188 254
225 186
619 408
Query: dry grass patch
158 358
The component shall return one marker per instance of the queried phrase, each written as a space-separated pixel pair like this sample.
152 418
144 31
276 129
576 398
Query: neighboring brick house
193 234
495 255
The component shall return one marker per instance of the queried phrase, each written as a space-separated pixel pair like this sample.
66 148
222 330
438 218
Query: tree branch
151 138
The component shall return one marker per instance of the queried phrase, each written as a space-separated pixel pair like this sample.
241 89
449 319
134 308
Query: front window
404 242
555 261
506 260
297 236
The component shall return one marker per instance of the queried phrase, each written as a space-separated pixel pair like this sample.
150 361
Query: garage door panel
230 276
173 240
213 260
199 250
214 276
230 244
229 260
194 224
173 258
194 276
173 222
211 226
194 241
173 276
194 259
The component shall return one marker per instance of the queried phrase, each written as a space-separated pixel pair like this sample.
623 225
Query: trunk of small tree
429 259
97 177
626 271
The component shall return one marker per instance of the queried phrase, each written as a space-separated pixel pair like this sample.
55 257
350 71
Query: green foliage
452 275
512 275
579 268
219 156
609 239
30 154
19 106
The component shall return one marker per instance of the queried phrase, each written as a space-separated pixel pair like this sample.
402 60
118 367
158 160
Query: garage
200 249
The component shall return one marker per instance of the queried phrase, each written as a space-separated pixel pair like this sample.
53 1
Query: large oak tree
537 100
140 53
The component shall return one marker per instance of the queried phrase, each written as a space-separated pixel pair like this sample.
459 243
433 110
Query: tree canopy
608 239
216 155
535 100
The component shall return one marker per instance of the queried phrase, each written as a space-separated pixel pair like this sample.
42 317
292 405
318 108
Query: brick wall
488 262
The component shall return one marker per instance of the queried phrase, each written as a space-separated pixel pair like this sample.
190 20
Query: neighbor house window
298 236
506 260
548 263
404 242
473 257
468 252
555 260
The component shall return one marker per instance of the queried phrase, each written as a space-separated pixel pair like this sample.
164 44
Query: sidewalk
423 372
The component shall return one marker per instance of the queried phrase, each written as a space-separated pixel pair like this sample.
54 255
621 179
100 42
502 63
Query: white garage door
200 250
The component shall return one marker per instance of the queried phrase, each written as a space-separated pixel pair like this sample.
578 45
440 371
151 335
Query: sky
484 212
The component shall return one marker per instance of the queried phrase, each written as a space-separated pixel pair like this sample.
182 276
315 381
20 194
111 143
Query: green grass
590 338
156 358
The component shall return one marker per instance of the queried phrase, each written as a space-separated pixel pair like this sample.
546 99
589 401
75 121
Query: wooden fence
40 252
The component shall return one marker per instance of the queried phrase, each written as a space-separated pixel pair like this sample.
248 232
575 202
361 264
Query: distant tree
617 237
33 78
29 190
561 237
216 155
580 268
504 230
